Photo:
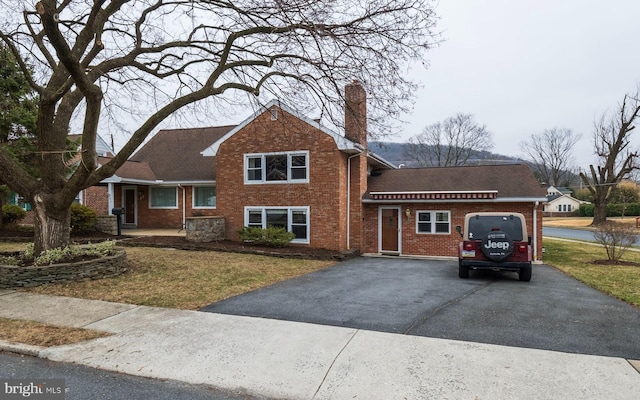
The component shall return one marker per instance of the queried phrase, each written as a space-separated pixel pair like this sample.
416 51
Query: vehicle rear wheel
463 271
525 273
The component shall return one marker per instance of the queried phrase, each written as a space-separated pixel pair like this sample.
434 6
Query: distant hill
396 154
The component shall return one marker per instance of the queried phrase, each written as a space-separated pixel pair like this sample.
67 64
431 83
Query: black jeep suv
495 241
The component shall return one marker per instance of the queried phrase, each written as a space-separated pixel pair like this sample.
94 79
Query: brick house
167 180
279 168
415 211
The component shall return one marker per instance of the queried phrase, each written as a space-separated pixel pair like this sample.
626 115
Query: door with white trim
389 227
130 202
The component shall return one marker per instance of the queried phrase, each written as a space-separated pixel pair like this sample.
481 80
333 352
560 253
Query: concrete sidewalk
290 360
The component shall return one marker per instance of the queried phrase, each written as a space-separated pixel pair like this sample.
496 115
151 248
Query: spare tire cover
497 246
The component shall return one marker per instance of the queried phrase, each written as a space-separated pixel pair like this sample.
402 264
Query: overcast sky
522 66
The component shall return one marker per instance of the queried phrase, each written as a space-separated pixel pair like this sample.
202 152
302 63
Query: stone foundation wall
205 229
14 277
107 224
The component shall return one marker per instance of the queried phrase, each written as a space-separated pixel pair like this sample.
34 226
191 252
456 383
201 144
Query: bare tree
616 238
450 142
147 59
551 155
612 140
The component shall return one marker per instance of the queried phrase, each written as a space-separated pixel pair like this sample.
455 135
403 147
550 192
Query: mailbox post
118 213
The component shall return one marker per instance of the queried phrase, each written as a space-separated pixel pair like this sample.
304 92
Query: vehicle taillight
522 248
468 246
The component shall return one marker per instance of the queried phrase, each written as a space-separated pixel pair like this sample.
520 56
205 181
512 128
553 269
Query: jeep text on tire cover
495 241
497 246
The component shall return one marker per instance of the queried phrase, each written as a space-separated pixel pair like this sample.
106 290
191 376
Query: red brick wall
442 244
325 194
97 197
358 188
162 218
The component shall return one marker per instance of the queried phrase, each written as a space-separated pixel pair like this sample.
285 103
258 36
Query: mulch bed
618 262
178 242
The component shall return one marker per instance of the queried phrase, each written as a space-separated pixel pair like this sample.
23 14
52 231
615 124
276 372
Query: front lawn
184 279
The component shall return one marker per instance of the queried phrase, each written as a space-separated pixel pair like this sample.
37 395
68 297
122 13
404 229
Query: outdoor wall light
407 212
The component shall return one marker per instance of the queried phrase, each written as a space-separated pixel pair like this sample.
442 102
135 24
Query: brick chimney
355 113
355 129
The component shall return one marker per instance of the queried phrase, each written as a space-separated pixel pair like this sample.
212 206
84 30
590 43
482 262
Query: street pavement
293 360
575 234
85 383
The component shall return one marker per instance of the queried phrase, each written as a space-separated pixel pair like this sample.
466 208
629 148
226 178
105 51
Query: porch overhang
155 182
484 195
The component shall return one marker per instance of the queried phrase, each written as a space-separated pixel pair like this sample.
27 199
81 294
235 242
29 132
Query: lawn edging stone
12 276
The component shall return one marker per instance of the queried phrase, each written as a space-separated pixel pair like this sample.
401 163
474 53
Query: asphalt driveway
426 298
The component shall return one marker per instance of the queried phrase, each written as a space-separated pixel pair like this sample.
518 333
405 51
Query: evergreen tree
18 113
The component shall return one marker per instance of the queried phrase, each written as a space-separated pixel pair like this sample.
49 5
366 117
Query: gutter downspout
535 230
349 196
184 211
110 197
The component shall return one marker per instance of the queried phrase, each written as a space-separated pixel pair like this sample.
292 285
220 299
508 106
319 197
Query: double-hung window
293 219
204 197
434 222
287 167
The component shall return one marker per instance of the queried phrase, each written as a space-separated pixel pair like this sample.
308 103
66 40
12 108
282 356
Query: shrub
272 236
586 210
83 218
12 213
613 210
616 238
55 256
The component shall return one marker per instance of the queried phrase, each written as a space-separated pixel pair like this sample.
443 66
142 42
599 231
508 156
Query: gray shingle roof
174 155
510 181
132 170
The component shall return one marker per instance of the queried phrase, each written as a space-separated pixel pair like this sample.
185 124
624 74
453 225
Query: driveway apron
426 298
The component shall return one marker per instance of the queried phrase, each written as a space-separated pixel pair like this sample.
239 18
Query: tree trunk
599 212
52 227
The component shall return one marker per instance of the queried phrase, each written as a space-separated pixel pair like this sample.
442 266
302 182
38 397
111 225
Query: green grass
576 260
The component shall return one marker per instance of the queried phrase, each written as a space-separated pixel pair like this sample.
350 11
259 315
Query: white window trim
289 218
151 207
433 222
193 198
263 180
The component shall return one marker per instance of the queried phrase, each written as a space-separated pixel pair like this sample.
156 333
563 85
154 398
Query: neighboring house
560 203
95 197
558 191
278 168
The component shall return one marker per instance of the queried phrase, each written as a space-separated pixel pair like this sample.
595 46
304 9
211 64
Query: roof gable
102 148
341 142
